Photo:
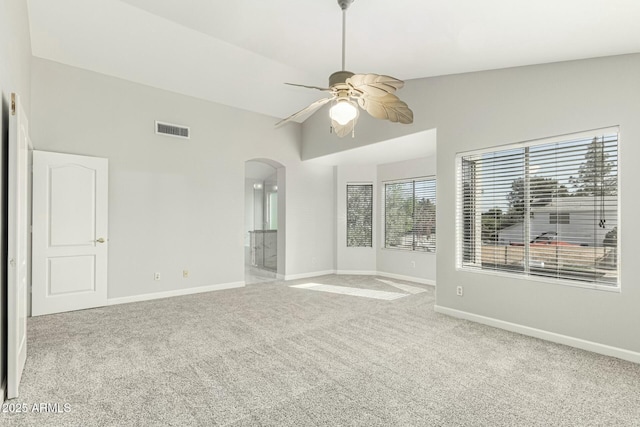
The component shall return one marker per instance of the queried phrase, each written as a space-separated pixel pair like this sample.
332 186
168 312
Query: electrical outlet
185 274
459 291
413 264
156 276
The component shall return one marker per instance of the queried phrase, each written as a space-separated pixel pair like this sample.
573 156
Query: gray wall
15 63
176 204
486 109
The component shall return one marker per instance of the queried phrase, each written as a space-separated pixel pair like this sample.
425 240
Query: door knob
100 240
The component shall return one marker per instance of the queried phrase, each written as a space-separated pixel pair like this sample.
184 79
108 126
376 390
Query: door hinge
13 104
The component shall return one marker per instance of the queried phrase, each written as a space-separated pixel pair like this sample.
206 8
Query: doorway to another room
264 204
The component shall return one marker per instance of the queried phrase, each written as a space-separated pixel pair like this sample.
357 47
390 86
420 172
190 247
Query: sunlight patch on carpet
356 292
407 288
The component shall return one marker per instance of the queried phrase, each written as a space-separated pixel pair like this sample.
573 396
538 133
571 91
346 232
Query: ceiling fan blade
373 84
305 110
343 130
388 107
309 87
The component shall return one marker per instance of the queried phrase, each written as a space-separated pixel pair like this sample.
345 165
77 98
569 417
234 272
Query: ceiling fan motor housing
344 4
339 78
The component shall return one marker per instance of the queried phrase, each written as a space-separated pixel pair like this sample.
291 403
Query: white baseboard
408 278
200 289
357 272
595 347
363 273
174 293
307 275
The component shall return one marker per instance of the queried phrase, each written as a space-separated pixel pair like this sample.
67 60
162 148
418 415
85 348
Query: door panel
17 246
69 275
72 205
69 232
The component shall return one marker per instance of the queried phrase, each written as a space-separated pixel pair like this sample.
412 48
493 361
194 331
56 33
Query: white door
17 246
69 248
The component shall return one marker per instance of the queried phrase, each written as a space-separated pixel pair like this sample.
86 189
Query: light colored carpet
272 355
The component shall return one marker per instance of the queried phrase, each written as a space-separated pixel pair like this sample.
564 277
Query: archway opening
264 220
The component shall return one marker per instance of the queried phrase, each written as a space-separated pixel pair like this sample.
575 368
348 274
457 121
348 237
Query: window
410 215
559 218
359 215
546 208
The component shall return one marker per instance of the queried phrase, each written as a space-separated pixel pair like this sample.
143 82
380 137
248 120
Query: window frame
359 184
383 207
459 226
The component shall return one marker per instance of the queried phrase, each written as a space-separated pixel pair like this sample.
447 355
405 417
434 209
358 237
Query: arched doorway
264 220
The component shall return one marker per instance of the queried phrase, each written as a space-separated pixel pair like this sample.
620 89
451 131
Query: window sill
547 280
410 251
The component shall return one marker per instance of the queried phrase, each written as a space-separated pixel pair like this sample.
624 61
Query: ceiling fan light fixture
343 111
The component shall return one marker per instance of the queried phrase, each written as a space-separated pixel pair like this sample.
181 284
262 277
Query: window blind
359 215
545 209
410 215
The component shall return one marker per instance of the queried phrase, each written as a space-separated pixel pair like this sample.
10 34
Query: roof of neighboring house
511 227
578 203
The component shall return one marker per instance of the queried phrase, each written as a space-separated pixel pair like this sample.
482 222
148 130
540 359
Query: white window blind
410 215
546 209
359 215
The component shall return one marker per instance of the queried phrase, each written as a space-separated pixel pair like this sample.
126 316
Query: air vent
172 130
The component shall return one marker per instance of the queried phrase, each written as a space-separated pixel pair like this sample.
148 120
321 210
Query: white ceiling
239 52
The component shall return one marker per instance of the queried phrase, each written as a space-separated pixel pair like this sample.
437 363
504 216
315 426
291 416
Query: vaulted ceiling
239 52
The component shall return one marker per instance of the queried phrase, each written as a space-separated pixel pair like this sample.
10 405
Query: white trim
307 275
416 178
595 347
407 250
221 286
364 273
619 237
357 272
407 278
174 293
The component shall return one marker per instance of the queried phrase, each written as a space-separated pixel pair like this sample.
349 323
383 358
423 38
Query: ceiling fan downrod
344 5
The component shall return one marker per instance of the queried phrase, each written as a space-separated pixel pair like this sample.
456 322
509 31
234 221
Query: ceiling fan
372 92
